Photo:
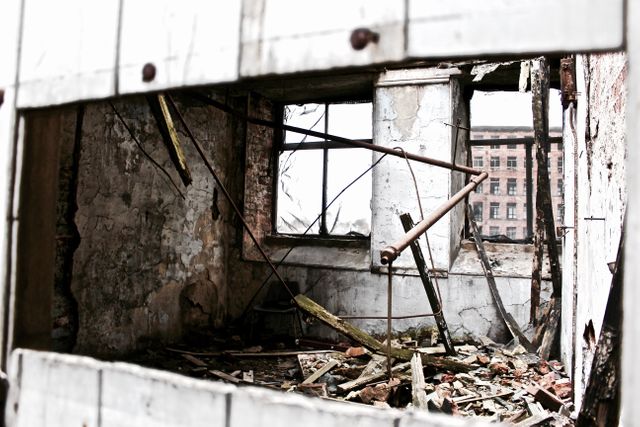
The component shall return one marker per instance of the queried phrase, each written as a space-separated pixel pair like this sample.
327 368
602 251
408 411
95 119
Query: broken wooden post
508 320
314 309
540 106
601 402
544 207
432 295
161 113
417 384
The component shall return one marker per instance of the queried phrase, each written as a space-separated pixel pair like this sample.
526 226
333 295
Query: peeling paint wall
151 265
600 198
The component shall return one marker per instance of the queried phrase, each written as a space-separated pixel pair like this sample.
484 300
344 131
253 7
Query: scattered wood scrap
345 328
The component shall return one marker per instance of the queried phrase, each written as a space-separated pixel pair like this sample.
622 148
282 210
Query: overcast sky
511 109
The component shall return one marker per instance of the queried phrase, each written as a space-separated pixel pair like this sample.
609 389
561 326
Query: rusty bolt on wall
148 72
361 37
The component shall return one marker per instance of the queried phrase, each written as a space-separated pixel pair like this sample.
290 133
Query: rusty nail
361 37
148 72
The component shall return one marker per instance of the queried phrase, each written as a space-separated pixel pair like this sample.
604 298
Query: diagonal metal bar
349 142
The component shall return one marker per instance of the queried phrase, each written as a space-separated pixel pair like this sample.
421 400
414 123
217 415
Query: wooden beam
544 206
508 320
418 384
160 111
358 382
432 296
314 309
320 372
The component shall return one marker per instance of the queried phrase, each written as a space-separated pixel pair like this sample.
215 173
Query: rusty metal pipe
390 253
328 137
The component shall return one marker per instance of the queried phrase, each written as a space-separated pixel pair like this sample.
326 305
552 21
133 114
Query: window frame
325 146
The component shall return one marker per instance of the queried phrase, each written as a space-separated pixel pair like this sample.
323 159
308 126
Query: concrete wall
49 389
598 186
151 265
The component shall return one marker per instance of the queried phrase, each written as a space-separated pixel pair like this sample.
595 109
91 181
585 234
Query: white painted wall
51 390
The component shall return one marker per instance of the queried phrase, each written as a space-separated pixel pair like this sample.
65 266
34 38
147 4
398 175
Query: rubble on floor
506 383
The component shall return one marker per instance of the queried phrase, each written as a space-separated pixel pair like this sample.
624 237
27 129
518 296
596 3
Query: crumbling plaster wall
151 265
601 194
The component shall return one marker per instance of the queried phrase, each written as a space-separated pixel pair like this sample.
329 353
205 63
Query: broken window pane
304 171
299 190
307 116
350 214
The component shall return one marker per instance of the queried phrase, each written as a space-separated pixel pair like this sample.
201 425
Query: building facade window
512 184
560 187
478 162
560 212
511 211
479 188
494 210
511 146
494 231
495 162
494 186
560 164
313 171
511 232
512 163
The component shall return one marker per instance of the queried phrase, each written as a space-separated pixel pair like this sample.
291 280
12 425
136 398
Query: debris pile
505 384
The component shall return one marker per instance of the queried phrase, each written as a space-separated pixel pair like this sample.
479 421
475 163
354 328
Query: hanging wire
156 164
284 257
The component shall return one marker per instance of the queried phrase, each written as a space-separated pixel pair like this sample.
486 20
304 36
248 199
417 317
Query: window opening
311 171
507 117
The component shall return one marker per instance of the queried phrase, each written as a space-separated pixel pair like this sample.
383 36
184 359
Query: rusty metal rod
390 253
351 142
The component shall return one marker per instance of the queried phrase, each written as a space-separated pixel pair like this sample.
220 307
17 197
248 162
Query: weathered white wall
411 111
78 51
600 167
51 390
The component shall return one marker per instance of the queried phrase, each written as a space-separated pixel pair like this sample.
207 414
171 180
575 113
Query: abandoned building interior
439 234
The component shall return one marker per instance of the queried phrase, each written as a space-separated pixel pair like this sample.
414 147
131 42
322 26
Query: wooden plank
317 311
195 360
479 398
358 382
513 327
225 376
292 36
432 295
320 372
498 27
191 42
418 384
161 113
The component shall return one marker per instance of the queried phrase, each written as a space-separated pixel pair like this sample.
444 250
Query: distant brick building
500 202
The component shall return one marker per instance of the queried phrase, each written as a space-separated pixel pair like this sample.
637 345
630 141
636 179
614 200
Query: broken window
494 210
494 186
312 171
512 183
